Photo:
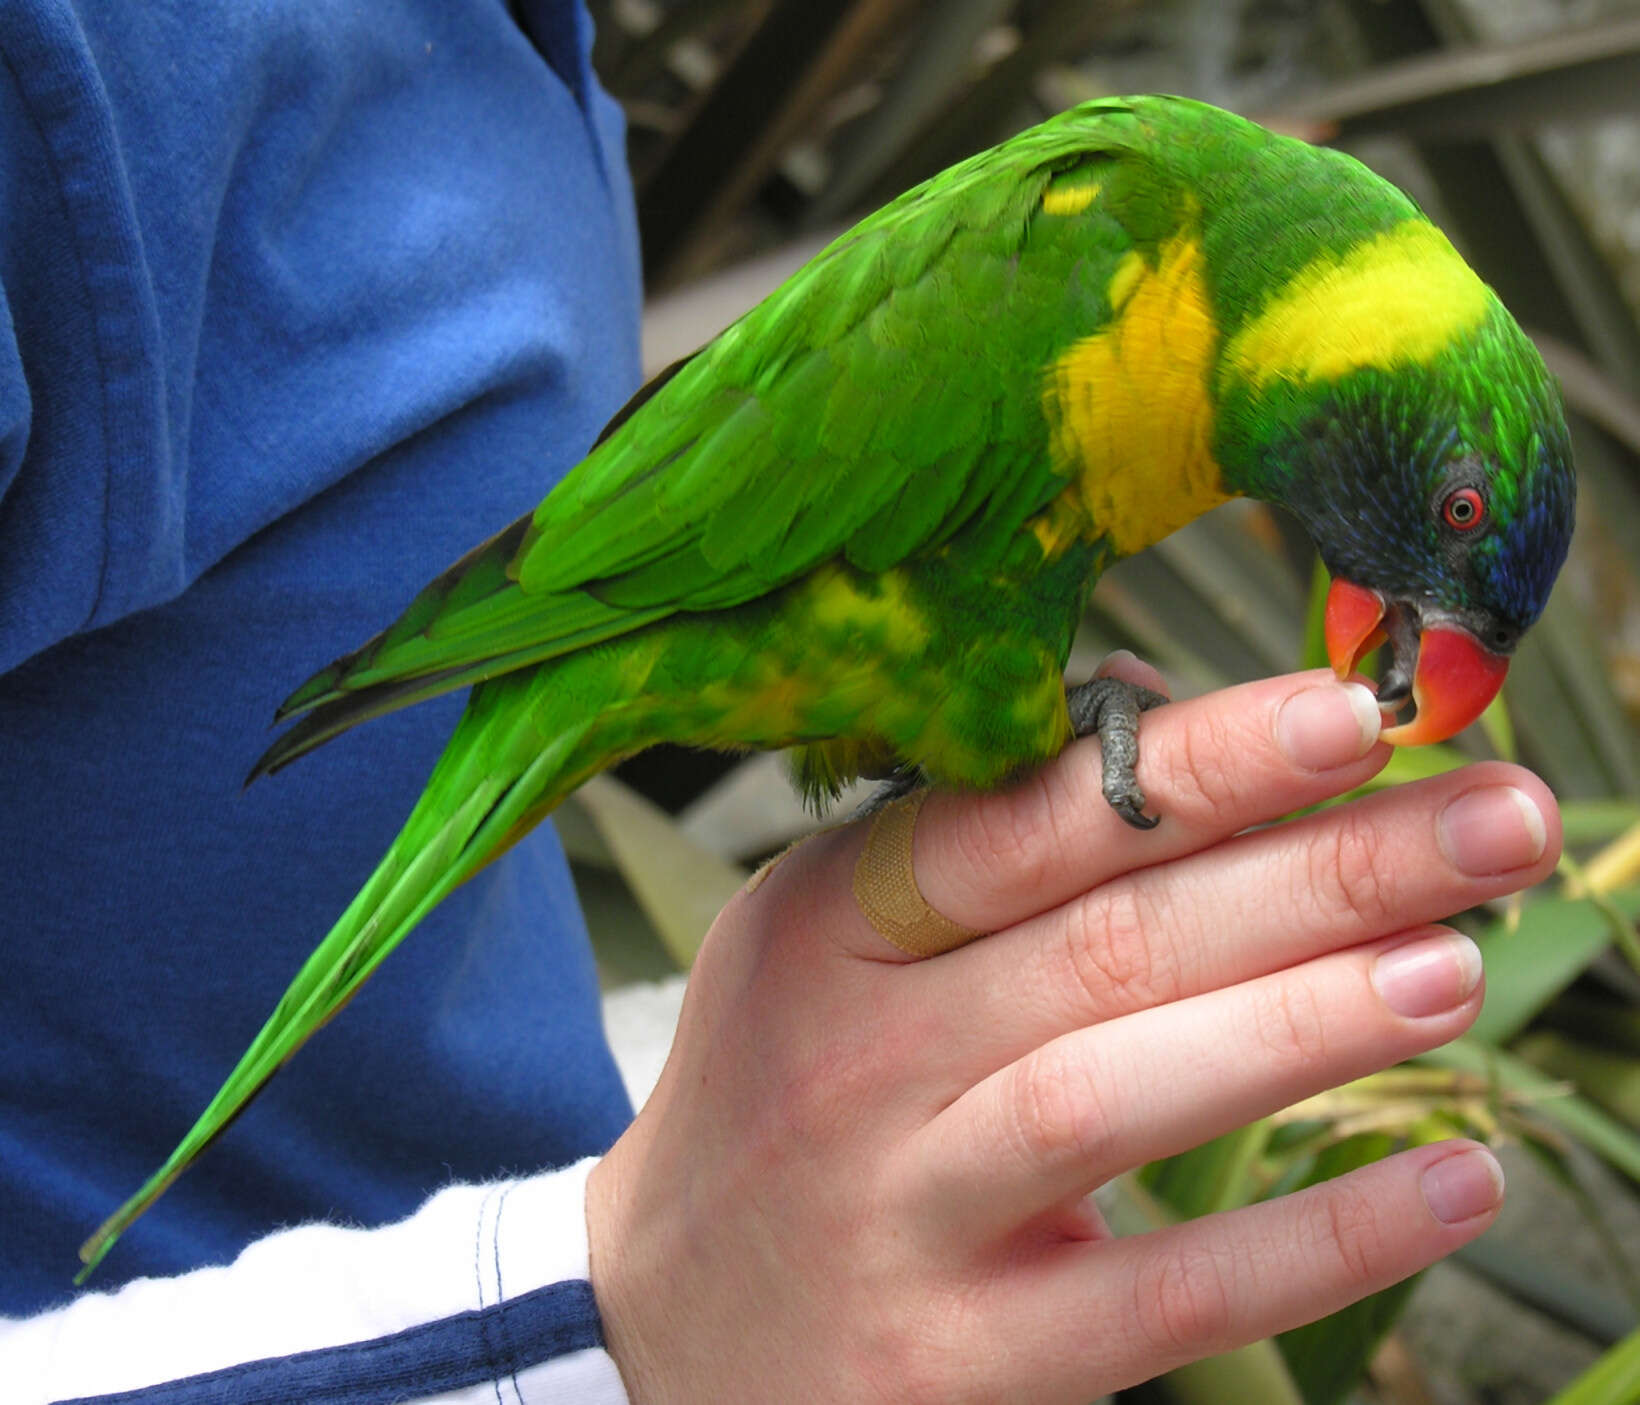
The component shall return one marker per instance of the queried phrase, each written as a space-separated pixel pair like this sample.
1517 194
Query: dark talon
1109 709
896 787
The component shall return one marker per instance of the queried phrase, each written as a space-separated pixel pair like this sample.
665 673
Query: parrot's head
1440 494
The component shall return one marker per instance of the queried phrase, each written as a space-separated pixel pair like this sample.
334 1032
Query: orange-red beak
1455 678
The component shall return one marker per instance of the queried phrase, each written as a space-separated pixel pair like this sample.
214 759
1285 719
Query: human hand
865 1178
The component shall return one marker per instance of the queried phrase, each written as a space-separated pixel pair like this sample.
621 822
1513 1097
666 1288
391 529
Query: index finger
1211 766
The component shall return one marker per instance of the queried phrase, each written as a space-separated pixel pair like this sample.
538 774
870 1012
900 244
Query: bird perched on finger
863 521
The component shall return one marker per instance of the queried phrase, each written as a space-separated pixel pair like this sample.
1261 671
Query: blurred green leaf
1610 1079
1500 731
1597 821
1256 1372
1416 763
1550 1100
1315 619
1565 710
1609 904
1596 1018
624 942
1561 1293
680 885
1574 1303
1214 1176
1532 959
1612 1380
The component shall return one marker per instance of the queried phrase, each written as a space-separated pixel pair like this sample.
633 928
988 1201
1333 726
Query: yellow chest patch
1398 298
1130 406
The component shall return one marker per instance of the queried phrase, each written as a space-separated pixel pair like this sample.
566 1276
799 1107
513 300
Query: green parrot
863 521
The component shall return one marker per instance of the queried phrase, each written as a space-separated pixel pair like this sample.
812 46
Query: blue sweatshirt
299 299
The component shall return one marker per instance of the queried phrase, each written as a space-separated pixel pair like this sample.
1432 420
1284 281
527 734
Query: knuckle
1057 1111
919 1348
1197 775
1288 1021
1348 875
1184 1300
1350 1231
1008 835
1111 950
904 1361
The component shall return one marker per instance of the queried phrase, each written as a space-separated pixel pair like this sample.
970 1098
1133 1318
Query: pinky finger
1124 1310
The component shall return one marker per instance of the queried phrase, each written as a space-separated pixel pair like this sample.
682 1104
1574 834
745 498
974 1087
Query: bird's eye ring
1464 510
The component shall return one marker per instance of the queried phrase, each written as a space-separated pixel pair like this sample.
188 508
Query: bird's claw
1109 708
897 786
1131 807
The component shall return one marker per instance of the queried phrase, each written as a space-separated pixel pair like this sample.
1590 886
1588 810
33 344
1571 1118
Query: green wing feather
870 408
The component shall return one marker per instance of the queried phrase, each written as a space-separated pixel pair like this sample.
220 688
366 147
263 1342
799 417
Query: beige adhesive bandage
886 887
756 880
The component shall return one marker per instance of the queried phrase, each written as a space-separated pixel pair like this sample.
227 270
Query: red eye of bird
1463 510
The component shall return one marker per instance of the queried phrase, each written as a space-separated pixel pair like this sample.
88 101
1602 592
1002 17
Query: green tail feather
493 774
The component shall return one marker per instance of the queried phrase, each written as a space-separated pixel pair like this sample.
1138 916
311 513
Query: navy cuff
487 1344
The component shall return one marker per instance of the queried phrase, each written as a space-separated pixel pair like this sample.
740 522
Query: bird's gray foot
1109 709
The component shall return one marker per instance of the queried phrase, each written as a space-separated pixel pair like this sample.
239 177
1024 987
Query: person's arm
483 1291
864 1178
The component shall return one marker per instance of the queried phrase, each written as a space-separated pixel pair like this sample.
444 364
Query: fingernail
1459 1187
1429 975
1491 830
1114 660
1327 726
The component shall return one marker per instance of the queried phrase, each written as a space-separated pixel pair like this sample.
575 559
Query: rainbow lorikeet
863 521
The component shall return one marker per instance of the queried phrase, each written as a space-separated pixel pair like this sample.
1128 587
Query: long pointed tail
493 781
